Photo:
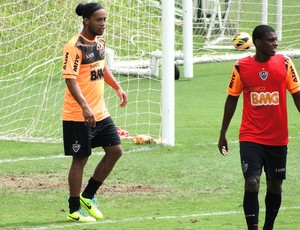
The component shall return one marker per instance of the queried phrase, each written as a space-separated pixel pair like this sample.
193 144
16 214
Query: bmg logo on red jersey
264 98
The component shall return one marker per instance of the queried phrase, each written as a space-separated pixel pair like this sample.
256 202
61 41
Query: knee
114 155
79 161
274 187
252 184
118 154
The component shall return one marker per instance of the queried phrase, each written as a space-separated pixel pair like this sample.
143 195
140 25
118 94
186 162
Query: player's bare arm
296 98
230 106
111 80
87 112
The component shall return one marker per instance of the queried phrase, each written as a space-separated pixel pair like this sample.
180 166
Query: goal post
187 34
279 19
168 85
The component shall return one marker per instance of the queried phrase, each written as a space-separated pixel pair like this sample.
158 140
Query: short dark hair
260 31
86 10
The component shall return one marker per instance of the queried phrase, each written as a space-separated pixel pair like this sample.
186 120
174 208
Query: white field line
94 153
135 219
101 153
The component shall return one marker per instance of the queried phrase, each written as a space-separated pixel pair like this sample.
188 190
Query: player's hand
123 97
223 146
88 114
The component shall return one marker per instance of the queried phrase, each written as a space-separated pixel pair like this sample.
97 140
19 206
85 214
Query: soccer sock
251 209
273 202
91 188
74 204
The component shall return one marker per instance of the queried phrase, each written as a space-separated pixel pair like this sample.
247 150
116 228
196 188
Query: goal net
32 36
33 33
217 21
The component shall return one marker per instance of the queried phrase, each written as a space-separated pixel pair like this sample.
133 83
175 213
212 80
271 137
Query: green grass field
189 186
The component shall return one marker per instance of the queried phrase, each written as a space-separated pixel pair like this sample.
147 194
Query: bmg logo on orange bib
264 98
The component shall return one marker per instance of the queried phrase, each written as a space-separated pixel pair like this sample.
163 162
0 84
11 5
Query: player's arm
293 82
296 97
234 89
229 110
87 112
111 80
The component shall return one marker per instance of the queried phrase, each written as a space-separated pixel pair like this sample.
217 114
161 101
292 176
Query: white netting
32 36
217 21
33 33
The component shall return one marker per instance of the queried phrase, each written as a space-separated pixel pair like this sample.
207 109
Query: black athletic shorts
255 157
79 138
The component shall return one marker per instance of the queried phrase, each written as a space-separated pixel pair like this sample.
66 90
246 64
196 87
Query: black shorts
79 139
255 157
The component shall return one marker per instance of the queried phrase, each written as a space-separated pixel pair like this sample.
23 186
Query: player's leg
272 202
107 163
252 163
250 202
276 172
103 169
76 144
75 182
105 134
75 175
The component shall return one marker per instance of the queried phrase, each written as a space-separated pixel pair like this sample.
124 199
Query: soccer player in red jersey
86 120
263 79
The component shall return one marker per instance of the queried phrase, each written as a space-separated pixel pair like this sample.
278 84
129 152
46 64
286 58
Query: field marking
31 159
135 219
99 153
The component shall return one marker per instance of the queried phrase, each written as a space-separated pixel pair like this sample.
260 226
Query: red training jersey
264 86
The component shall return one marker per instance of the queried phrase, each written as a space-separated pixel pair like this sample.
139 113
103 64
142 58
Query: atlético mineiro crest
263 74
76 147
99 43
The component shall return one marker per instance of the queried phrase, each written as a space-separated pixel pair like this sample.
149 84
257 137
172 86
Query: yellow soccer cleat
90 206
80 216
